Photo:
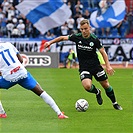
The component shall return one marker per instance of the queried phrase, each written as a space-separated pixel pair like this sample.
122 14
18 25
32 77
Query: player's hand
46 44
110 70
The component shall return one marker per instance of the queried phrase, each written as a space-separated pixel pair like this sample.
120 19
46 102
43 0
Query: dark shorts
28 83
98 72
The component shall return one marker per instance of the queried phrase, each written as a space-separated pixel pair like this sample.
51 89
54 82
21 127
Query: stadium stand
13 22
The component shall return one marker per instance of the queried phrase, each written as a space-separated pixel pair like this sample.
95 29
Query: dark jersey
86 50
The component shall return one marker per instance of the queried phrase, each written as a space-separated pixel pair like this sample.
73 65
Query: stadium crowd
14 25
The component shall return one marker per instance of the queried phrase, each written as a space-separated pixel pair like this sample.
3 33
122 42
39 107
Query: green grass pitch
27 113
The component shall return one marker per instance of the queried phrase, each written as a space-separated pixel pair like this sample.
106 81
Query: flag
45 14
112 16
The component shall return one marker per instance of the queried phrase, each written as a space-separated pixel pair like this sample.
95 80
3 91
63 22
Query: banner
46 60
117 49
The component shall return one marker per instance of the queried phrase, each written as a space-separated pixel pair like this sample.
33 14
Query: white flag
113 15
45 14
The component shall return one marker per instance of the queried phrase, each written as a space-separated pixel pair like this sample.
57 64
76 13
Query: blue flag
45 14
112 16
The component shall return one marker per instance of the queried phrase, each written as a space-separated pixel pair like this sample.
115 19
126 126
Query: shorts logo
99 74
82 75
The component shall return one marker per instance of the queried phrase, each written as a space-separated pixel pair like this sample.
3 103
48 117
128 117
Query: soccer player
87 45
13 72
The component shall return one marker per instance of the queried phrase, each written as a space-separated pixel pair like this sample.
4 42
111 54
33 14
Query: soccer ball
81 105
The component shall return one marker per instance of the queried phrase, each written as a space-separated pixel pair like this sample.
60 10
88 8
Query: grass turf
28 113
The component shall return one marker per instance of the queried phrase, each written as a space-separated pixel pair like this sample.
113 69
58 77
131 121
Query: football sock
110 93
49 100
93 89
2 111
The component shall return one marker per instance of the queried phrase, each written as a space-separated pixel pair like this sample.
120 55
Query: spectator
29 28
9 27
21 28
118 26
86 14
41 35
48 35
15 21
79 19
5 5
3 22
79 5
64 29
92 3
1 13
130 21
10 12
70 23
103 7
53 35
15 32
77 13
72 3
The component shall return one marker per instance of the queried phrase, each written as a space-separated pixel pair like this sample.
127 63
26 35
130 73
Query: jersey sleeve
71 37
13 47
98 43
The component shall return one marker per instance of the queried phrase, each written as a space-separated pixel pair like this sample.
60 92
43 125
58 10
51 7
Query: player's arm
58 39
109 69
20 58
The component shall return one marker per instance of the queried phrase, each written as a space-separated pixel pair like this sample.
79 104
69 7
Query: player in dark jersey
87 45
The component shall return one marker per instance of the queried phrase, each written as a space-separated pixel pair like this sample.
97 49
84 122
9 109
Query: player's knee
86 84
105 85
37 90
87 87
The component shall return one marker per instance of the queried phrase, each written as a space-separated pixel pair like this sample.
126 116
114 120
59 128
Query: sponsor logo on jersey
87 48
80 42
91 44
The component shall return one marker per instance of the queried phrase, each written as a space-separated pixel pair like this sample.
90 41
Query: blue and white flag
112 16
45 14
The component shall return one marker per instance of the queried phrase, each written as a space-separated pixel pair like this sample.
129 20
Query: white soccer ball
81 105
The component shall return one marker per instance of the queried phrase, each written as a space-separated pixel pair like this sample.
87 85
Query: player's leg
71 63
2 111
110 93
31 84
4 85
86 79
48 99
102 77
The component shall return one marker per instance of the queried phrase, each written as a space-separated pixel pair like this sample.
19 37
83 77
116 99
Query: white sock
114 103
49 100
2 111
